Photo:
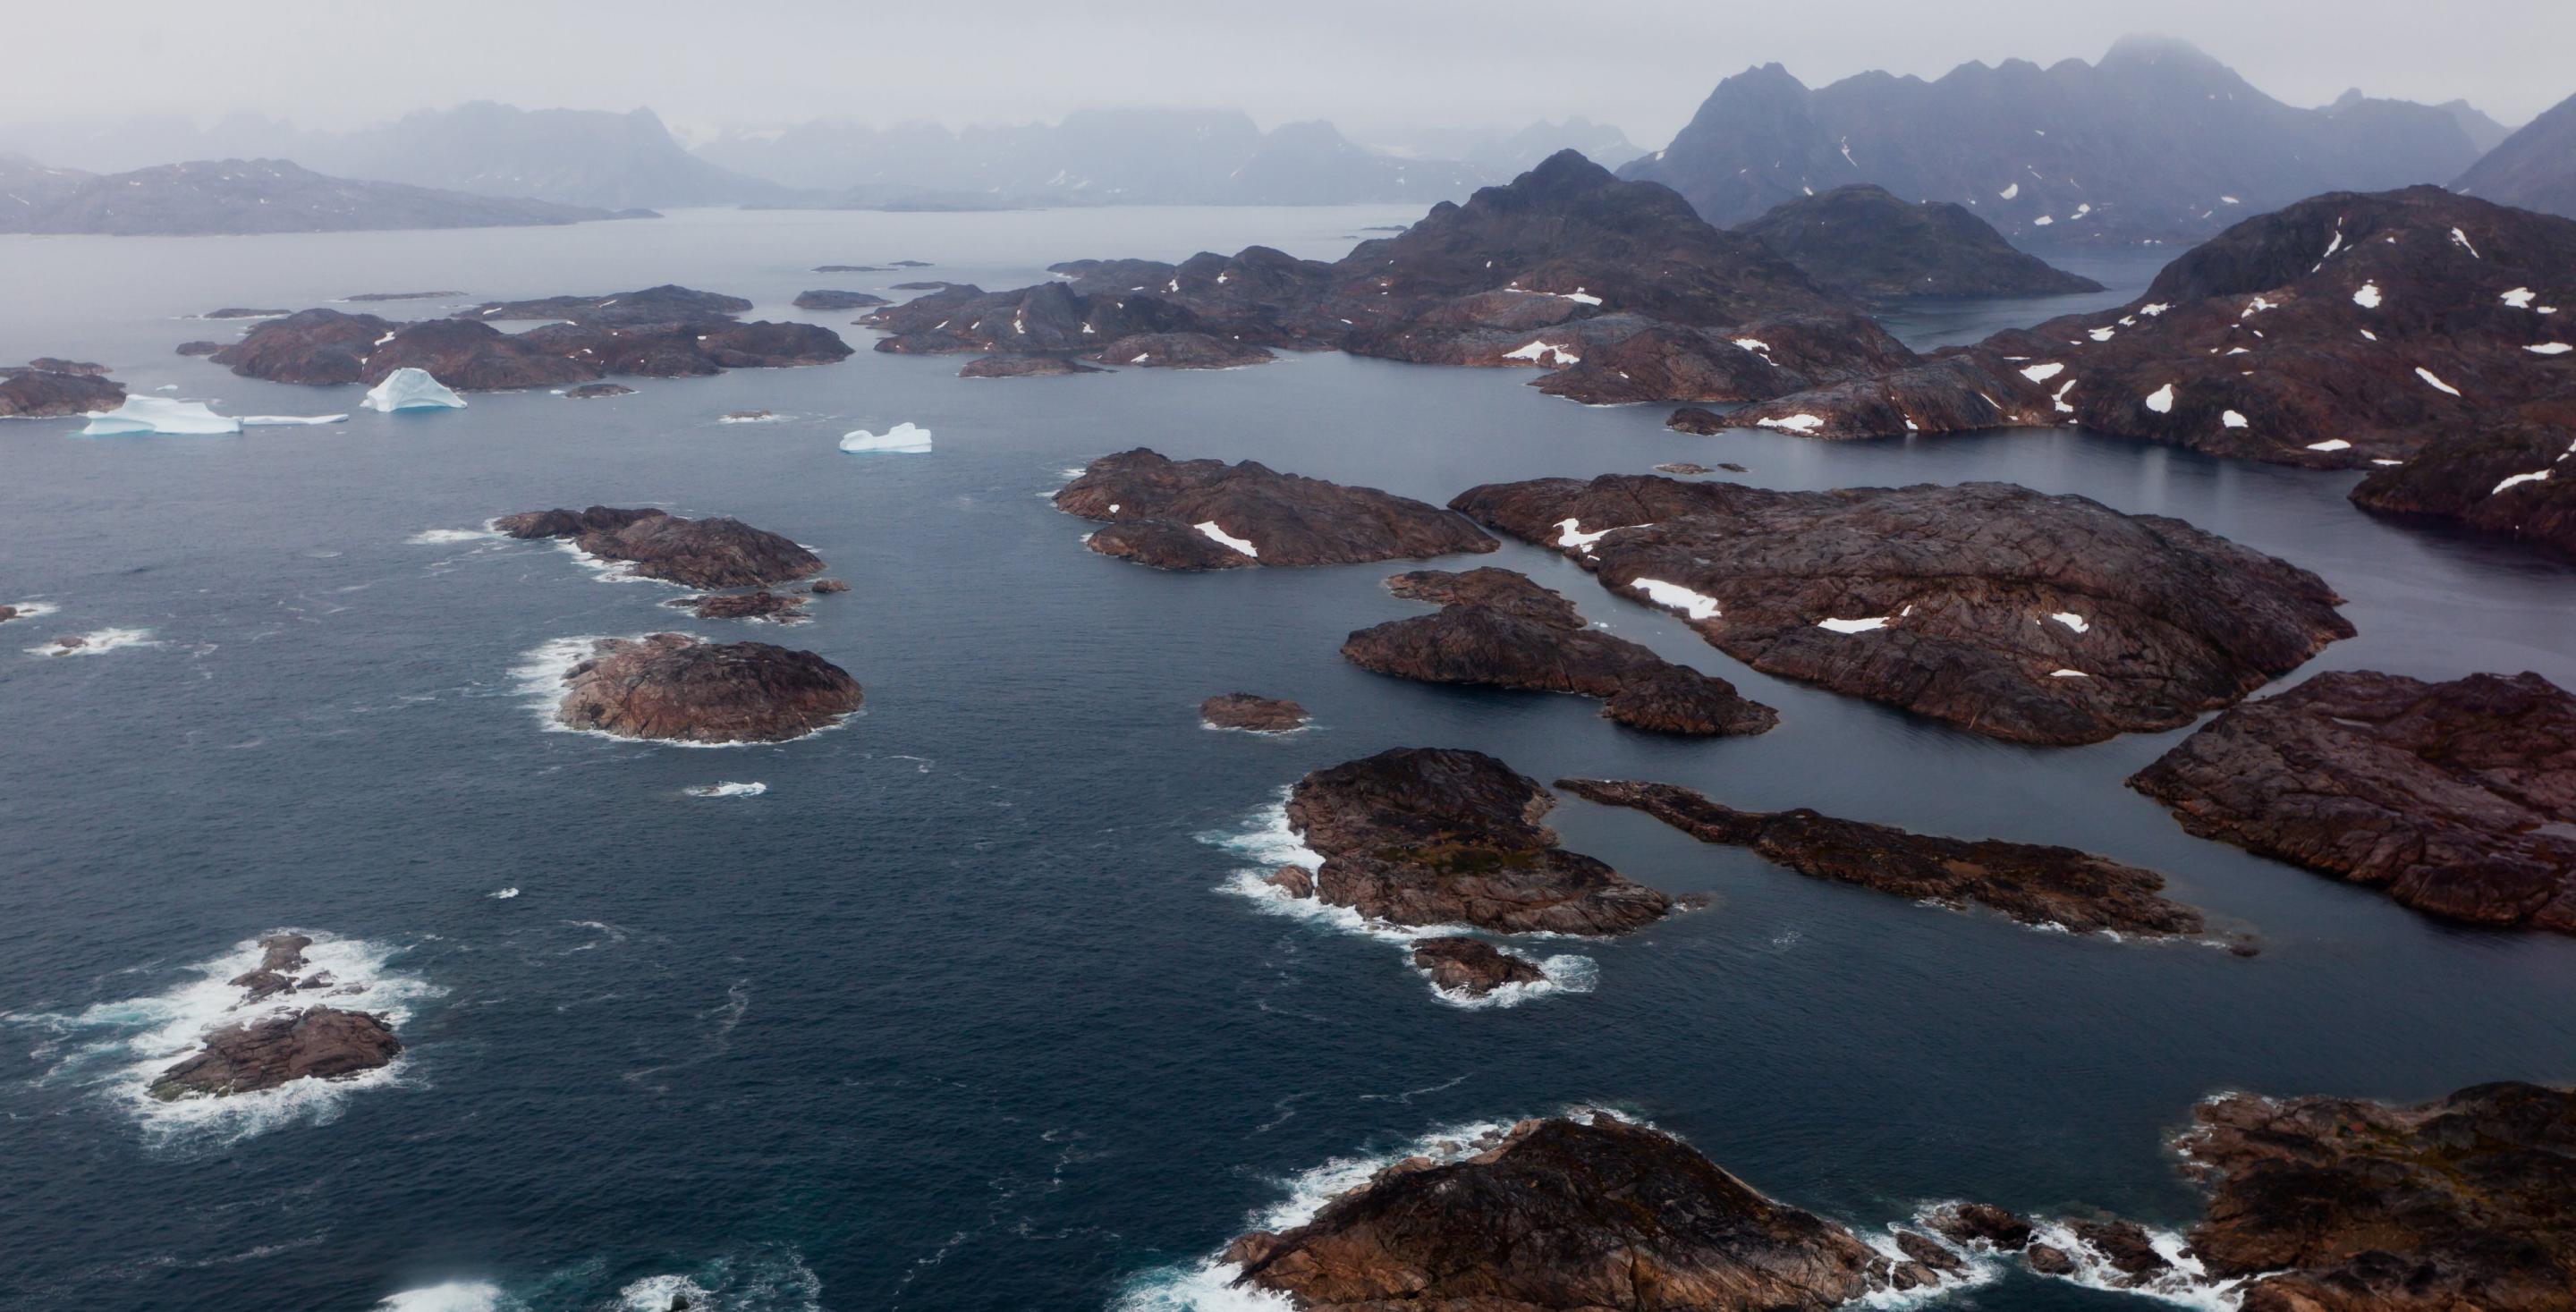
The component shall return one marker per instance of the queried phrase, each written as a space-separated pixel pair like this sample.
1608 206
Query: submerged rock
2457 799
2053 887
1442 836
1562 1214
715 552
1471 966
672 687
321 1043
1497 628
1242 710
1206 514
2022 616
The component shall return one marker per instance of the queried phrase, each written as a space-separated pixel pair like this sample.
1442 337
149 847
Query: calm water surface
962 1011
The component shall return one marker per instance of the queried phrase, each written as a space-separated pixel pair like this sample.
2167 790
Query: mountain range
239 197
2534 168
2157 141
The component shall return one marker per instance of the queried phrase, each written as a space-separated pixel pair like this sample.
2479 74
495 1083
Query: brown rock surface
715 552
1471 966
1154 506
320 1043
1243 710
675 688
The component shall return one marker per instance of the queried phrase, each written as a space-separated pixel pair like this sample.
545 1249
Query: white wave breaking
1268 842
753 789
441 537
116 1049
98 642
538 680
453 1296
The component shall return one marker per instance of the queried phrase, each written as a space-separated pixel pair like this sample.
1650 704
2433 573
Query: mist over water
959 1010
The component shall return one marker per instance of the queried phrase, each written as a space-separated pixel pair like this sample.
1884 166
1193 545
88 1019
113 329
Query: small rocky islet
1206 514
715 552
1253 713
675 687
289 1042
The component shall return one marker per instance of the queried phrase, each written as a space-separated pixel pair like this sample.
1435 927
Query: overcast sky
1371 65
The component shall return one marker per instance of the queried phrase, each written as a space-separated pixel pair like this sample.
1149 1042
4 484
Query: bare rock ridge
700 553
2048 887
2022 616
1565 1213
1860 240
672 687
660 332
1497 628
2457 799
1206 514
2534 169
1440 836
2344 331
1562 265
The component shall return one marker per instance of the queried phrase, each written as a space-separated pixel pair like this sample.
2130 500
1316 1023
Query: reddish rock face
2032 618
1180 351
33 392
1743 362
1501 630
1025 366
1471 966
2513 477
1561 1214
1242 710
2033 884
2458 799
700 553
1158 511
318 1043
1438 836
675 688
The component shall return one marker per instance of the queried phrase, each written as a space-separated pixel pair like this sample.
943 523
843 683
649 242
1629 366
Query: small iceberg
290 421
902 439
158 414
411 389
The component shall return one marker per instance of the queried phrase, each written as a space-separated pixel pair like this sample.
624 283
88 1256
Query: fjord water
958 1012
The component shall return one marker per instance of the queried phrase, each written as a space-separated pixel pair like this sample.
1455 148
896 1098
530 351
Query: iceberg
158 414
290 421
411 389
902 439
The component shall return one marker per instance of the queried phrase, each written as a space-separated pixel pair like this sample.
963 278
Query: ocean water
963 1005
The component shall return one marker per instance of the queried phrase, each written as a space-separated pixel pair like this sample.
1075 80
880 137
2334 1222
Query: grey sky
1370 65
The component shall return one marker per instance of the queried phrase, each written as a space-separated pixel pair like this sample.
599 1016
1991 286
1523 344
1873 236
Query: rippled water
962 1009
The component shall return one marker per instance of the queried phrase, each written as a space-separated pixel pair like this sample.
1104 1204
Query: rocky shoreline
699 553
1206 514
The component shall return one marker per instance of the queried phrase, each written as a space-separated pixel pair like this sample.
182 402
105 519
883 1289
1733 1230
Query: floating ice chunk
2068 674
290 421
1544 353
2161 399
1854 626
1216 534
902 439
2550 348
2368 297
504 894
1673 596
2040 373
2009 192
2542 476
2330 444
158 415
2519 298
1794 423
411 389
2231 419
2436 383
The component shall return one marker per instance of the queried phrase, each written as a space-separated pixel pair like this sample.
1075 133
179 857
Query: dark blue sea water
961 1012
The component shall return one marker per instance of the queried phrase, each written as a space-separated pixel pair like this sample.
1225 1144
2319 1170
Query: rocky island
1243 710
2507 477
2457 799
1442 836
2042 886
235 197
36 391
1861 240
1497 628
288 1044
715 552
660 332
1568 1213
1206 514
671 687
1471 967
2018 615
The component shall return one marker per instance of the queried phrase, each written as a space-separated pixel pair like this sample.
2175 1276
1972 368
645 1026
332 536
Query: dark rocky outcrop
1025 366
595 391
32 392
2033 618
1167 513
2034 884
1861 240
1471 967
2342 1205
675 688
2457 799
839 300
1440 836
1747 362
2509 477
321 1043
668 303
823 587
281 955
1243 710
1180 351
1497 628
1970 1224
714 552
2344 330
2534 169
200 348
53 364
761 605
1565 1214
